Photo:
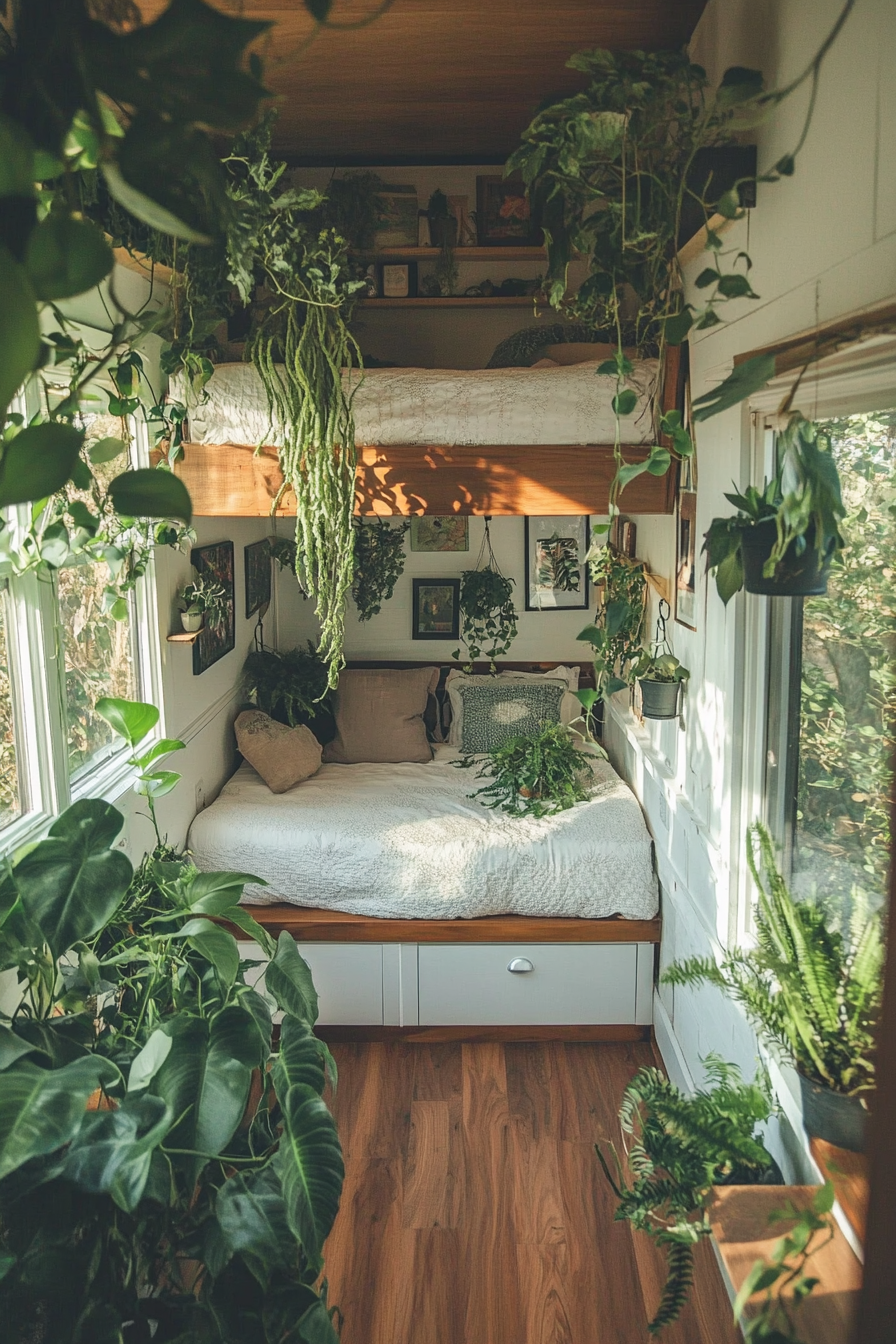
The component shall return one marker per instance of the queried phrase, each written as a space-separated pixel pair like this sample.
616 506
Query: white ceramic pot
191 621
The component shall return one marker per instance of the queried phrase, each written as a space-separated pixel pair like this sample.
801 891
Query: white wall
823 245
543 636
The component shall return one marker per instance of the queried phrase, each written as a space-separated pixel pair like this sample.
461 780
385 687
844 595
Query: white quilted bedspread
440 406
407 842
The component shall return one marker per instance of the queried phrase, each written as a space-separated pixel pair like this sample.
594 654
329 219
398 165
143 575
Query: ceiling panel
430 81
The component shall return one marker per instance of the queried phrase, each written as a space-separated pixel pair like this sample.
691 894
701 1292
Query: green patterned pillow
495 712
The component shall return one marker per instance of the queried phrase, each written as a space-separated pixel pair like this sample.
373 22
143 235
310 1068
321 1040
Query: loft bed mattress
408 842
559 405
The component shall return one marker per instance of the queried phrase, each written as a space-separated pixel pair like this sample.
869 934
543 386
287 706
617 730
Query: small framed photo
214 641
556 573
397 280
685 561
436 609
440 533
503 214
257 564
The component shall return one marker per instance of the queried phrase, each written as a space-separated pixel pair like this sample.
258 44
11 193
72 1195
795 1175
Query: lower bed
408 842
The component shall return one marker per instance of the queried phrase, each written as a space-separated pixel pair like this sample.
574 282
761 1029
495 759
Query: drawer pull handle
520 966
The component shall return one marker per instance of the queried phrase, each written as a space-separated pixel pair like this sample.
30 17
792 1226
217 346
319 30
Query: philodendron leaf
146 1064
150 493
625 402
288 979
164 747
252 1216
112 1152
131 719
42 1109
72 883
12 1047
730 575
742 382
66 256
216 945
19 328
157 784
300 1059
40 459
311 1167
676 328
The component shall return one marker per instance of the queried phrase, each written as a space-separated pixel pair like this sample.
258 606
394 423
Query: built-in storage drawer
348 978
504 984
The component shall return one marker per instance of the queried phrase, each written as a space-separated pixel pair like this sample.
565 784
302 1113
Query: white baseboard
669 1048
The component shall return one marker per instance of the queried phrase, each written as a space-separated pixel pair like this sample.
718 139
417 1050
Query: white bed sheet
561 405
407 842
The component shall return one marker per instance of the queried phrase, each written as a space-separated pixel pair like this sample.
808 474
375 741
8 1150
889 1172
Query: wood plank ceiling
451 81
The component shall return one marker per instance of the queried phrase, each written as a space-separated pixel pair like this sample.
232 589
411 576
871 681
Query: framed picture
685 564
397 280
503 216
556 573
436 609
436 533
396 223
257 561
215 640
624 536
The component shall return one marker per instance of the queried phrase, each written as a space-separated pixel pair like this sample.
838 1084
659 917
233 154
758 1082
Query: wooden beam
236 481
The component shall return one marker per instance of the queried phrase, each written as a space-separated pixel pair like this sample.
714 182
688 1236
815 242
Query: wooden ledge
849 1175
332 926
743 1235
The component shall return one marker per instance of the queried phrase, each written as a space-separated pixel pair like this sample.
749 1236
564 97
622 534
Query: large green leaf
42 1109
112 1152
66 256
72 882
252 1216
147 1062
16 159
311 1167
150 493
131 719
300 1059
742 382
216 945
143 207
38 461
288 979
19 328
12 1047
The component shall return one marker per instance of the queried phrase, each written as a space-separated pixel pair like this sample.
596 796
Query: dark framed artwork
431 532
685 560
556 573
257 564
436 613
503 215
214 641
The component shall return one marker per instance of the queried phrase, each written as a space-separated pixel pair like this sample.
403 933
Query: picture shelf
184 637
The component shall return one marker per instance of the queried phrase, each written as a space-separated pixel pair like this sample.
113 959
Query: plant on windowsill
201 601
812 994
677 1148
659 674
291 687
165 1172
535 776
783 539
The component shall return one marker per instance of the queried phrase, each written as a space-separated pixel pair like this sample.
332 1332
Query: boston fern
535 776
291 686
814 995
677 1148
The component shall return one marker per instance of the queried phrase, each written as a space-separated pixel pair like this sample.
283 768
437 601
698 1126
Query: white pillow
570 707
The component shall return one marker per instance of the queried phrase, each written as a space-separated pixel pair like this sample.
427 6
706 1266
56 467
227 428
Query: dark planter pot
832 1116
659 699
803 575
443 232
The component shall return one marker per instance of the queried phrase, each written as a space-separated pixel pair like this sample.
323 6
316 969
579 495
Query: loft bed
478 441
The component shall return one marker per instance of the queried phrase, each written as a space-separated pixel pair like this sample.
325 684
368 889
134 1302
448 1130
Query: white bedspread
440 406
407 842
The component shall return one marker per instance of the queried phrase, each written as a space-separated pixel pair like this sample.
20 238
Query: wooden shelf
694 246
743 1234
184 637
460 254
495 301
849 1175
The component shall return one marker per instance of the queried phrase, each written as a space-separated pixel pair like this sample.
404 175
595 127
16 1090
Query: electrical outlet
200 795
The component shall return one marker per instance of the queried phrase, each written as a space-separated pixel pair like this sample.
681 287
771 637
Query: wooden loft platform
236 481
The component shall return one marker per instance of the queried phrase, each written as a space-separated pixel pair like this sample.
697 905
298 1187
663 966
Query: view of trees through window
10 798
848 704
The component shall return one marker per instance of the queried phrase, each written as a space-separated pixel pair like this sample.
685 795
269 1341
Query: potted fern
812 994
535 776
291 687
677 1148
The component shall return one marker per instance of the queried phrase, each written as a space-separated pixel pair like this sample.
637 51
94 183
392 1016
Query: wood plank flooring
475 1211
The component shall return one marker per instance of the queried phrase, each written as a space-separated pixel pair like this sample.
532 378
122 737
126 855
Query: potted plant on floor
783 539
659 673
677 1148
812 994
201 602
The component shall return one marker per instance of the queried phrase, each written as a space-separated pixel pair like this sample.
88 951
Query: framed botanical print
556 573
257 562
430 532
436 612
503 215
685 561
214 641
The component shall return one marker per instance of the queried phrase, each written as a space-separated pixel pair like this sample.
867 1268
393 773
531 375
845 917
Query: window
832 723
11 790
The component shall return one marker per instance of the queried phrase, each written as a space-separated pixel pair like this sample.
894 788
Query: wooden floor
475 1211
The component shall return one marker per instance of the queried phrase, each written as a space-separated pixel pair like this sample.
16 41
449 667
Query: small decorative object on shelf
201 602
397 280
397 219
659 673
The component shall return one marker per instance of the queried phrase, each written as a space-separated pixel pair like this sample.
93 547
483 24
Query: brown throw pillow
282 756
379 715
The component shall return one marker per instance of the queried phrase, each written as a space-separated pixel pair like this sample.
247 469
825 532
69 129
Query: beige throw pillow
282 756
379 715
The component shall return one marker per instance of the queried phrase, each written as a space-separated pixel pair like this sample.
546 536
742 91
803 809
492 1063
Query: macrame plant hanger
660 646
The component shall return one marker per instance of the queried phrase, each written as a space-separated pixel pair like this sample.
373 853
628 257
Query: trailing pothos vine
488 620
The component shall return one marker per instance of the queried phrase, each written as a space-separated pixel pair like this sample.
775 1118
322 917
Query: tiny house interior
447 692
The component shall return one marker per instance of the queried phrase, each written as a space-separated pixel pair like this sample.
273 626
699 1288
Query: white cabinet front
348 978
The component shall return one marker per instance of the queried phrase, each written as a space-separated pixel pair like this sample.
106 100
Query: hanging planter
833 1116
659 699
796 575
488 621
659 673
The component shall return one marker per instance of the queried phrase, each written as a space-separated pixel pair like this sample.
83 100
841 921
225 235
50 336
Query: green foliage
535 776
291 686
558 564
379 564
659 667
784 1282
488 620
134 720
677 1148
615 634
203 596
814 995
149 1171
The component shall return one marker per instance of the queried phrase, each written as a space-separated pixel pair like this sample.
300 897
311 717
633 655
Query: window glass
848 682
11 803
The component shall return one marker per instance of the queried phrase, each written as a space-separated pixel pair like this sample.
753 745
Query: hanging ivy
379 564
488 620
